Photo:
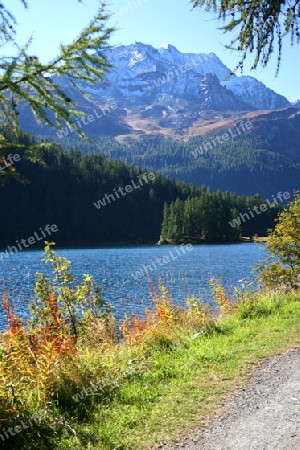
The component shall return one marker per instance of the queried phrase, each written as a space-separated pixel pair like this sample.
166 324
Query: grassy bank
180 385
169 371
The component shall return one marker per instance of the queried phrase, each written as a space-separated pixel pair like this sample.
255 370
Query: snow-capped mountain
255 93
142 72
163 91
297 104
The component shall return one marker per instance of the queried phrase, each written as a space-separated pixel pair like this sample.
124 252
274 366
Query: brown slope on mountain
281 128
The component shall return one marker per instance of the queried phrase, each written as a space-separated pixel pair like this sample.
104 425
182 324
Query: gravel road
263 414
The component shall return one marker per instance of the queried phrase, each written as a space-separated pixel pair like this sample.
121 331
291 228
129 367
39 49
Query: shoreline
74 246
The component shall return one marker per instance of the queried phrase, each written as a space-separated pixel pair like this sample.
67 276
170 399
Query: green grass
161 392
178 387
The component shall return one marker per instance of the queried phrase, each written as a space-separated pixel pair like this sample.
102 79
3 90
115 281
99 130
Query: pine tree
259 25
164 235
24 78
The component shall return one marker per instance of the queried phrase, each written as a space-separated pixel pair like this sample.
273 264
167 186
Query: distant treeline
245 165
217 217
66 190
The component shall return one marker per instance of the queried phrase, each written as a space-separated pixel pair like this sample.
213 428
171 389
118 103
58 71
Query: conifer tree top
261 25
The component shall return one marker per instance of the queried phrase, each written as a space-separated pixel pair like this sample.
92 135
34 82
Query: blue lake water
115 269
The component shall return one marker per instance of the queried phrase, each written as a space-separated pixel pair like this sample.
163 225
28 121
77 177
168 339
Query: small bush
162 329
252 306
284 246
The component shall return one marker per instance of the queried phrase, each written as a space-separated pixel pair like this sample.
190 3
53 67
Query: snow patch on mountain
252 91
143 72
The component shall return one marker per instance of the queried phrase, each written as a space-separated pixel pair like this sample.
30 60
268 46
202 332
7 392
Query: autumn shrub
158 328
225 303
281 270
164 327
28 362
198 316
40 362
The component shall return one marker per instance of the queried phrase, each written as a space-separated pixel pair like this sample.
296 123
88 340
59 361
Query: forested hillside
247 165
94 200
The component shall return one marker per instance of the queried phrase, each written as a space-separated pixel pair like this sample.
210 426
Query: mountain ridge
144 59
173 90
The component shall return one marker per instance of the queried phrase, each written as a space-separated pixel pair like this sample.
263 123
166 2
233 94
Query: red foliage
14 321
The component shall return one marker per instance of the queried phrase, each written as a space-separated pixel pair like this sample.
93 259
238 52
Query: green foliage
23 77
205 218
260 24
249 307
21 144
244 165
71 303
284 245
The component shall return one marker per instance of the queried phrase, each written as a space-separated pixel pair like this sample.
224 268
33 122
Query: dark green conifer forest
246 165
64 186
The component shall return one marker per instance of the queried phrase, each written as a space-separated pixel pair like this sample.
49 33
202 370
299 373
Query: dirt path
264 414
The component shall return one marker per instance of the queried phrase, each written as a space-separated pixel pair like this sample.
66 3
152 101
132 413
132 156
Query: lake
121 272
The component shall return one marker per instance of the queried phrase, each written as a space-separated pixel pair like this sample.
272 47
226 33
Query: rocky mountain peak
142 71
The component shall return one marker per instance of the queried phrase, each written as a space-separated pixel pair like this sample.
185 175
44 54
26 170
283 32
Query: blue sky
154 22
